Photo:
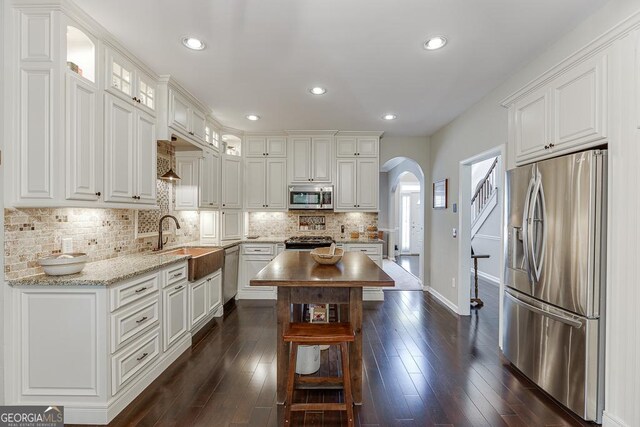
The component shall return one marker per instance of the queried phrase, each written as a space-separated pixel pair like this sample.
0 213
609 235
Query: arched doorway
402 213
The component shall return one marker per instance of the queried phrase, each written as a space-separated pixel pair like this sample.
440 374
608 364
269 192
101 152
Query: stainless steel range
307 243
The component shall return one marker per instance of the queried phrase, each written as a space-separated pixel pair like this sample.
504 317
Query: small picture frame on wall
440 194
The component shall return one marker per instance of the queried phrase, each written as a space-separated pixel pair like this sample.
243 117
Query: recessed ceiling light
193 43
435 42
253 117
318 90
389 117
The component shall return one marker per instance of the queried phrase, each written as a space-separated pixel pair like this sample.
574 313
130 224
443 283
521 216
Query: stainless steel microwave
310 197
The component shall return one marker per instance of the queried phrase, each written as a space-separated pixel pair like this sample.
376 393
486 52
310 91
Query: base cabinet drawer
133 359
134 290
131 321
175 274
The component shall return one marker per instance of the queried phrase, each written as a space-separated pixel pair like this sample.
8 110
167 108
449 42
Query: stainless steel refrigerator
555 260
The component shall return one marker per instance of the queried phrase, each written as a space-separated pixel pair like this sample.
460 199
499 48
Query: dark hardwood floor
424 366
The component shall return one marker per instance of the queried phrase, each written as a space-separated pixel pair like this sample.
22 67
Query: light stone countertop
106 272
114 270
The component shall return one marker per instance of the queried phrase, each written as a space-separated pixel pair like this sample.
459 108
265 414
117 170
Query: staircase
484 199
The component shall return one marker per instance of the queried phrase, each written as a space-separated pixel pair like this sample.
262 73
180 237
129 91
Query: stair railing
484 191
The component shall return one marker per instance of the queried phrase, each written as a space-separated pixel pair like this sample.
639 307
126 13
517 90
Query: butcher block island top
297 268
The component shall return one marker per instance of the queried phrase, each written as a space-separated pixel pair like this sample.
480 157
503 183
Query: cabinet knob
551 145
98 194
133 197
224 204
546 147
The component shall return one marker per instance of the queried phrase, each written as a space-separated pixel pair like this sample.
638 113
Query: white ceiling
262 56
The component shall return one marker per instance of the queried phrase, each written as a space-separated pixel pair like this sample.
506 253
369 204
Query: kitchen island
300 280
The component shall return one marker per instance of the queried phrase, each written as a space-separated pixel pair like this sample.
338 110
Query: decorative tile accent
271 224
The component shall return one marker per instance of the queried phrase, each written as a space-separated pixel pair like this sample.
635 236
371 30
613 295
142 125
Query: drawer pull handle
141 289
142 357
363 250
177 288
142 320
174 276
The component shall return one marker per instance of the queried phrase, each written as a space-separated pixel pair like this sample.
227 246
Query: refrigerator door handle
564 319
536 248
525 230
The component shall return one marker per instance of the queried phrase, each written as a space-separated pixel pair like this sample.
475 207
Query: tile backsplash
285 224
31 234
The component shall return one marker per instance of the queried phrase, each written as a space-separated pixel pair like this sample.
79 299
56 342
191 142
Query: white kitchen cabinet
253 258
130 149
374 252
357 185
209 181
214 292
120 338
188 169
346 176
231 225
265 184
231 182
310 159
130 83
184 116
210 227
265 146
566 114
212 135
357 146
198 302
84 159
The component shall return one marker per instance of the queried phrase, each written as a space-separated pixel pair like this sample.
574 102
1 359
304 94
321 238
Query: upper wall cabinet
181 115
231 182
310 159
566 114
265 146
357 146
125 80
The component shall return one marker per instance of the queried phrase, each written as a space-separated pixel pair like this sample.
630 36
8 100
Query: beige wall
484 126
416 149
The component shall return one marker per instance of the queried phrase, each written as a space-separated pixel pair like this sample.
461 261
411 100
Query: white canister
308 361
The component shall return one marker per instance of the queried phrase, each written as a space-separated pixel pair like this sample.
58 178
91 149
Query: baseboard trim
609 420
451 306
493 280
256 295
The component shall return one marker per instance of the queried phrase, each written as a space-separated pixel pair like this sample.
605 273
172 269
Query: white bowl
63 264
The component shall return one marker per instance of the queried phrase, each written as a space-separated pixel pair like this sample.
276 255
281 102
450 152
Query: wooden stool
319 334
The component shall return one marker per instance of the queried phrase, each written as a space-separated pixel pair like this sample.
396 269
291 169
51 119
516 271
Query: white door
146 90
255 179
417 226
198 302
367 184
119 150
277 146
209 180
231 182
255 146
214 291
209 227
146 162
321 159
231 225
187 186
346 185
84 172
179 112
276 187
300 162
367 146
346 146
198 125
175 313
119 75
532 130
252 267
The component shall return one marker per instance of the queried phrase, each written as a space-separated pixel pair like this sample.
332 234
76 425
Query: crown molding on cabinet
591 49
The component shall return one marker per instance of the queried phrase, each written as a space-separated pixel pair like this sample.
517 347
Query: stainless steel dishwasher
230 273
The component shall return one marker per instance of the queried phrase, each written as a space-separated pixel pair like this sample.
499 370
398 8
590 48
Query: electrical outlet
361 228
454 232
453 282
